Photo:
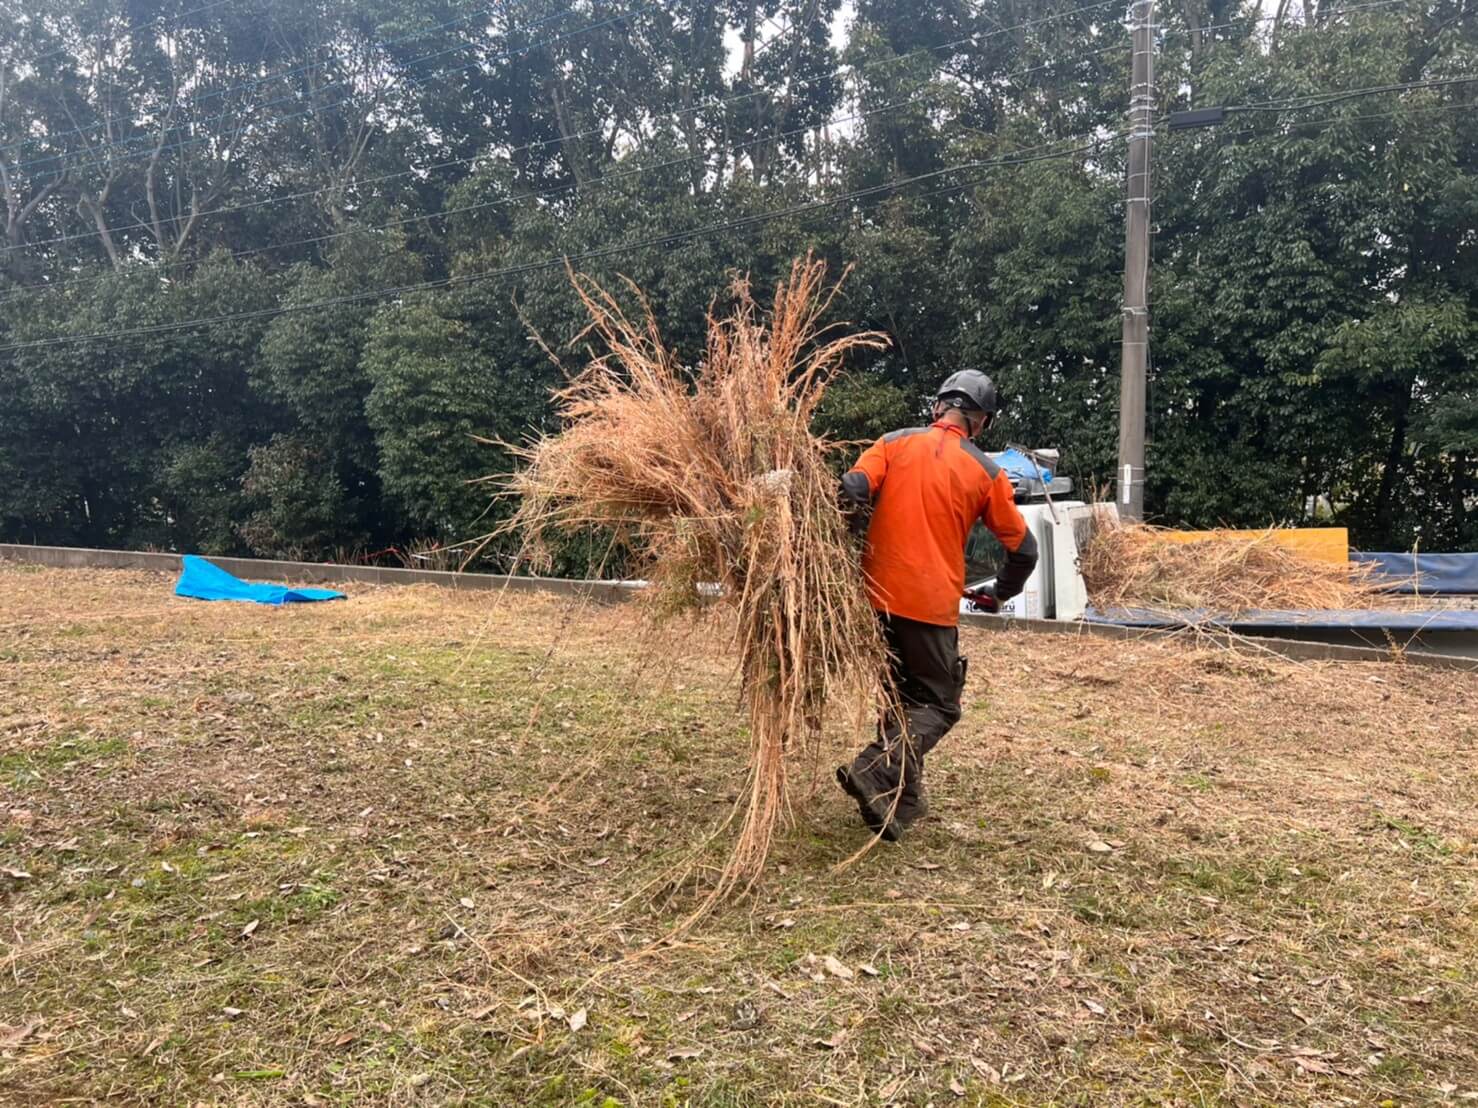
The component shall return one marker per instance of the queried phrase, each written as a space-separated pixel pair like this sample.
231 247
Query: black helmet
973 388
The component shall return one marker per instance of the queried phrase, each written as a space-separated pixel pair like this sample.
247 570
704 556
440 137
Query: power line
1020 157
281 118
61 50
256 82
715 102
1329 121
1215 115
430 77
1331 14
602 181
614 19
1318 100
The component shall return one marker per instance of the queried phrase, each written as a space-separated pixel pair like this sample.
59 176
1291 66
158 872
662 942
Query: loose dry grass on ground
1218 572
312 856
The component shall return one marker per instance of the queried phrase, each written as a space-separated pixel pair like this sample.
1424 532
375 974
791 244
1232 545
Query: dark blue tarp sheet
1359 618
1434 574
203 581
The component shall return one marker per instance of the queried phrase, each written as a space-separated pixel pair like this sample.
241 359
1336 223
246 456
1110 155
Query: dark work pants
928 676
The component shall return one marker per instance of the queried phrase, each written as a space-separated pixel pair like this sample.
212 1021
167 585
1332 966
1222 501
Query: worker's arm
1005 521
860 485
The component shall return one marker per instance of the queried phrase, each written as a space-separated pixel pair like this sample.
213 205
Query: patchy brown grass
348 854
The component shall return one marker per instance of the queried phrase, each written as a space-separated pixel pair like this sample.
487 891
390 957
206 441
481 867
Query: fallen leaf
837 969
419 1079
1093 1006
1098 846
962 925
683 1053
832 1043
250 928
987 1071
1312 1065
157 1042
233 1013
927 865
955 1087
868 968
926 1048
17 874
466 902
888 1090
14 1036
579 1019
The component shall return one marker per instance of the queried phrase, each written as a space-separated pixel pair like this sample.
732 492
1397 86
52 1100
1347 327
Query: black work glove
983 599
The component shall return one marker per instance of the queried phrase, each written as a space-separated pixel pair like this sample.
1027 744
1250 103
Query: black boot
874 797
912 805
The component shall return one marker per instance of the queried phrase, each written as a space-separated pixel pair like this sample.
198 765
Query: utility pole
1135 349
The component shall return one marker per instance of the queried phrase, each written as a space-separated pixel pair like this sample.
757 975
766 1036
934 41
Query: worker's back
928 486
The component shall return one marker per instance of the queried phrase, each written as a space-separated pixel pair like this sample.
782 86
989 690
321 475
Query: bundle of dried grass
1136 566
715 483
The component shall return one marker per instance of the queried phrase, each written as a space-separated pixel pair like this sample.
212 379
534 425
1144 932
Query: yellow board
1318 544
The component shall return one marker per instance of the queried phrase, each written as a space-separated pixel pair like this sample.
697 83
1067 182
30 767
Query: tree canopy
271 269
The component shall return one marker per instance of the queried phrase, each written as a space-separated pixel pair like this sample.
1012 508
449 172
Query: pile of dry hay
712 478
1136 566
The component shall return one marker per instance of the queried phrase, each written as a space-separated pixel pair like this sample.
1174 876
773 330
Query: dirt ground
416 847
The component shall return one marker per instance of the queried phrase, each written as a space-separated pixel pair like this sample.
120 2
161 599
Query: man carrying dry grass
919 492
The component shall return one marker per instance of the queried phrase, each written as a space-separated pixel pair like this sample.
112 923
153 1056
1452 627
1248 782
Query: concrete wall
313 573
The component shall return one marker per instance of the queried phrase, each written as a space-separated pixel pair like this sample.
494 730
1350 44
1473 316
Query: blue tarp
1020 467
1434 574
203 581
1347 619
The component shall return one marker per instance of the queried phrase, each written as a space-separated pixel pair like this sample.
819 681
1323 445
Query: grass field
417 847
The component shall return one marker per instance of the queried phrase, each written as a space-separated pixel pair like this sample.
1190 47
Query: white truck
1062 526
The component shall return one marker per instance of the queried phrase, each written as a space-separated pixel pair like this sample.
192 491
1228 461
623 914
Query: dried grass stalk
715 483
1136 566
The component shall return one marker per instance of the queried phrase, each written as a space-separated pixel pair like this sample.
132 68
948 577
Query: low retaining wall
76 557
312 573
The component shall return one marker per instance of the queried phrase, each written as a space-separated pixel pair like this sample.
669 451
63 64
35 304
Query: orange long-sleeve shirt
928 486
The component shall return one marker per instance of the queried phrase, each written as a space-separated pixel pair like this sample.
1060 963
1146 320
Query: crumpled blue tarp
203 581
1330 619
1019 466
1435 574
